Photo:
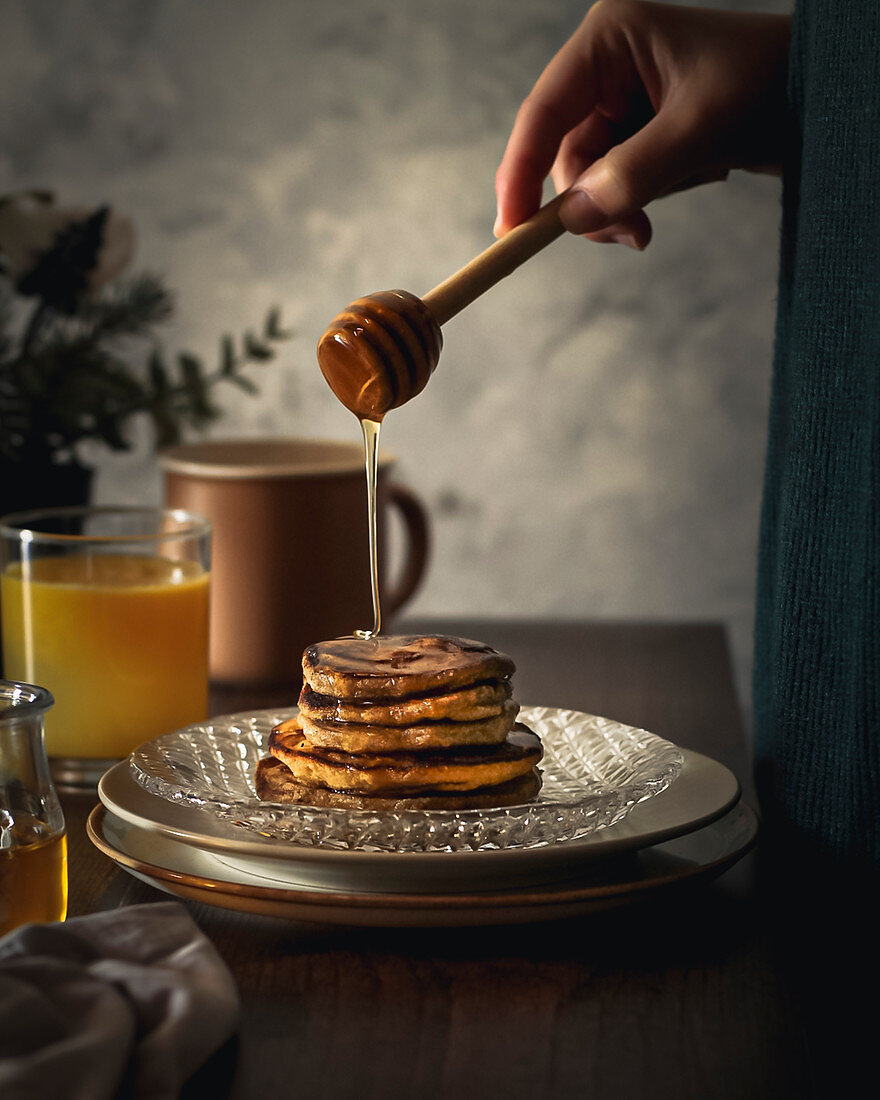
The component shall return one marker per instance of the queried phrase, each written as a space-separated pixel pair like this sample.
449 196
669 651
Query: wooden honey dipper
380 351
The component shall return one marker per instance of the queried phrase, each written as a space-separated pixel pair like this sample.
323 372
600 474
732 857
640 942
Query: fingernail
579 214
496 229
626 238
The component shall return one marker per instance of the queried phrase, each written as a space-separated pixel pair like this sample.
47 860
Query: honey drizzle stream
371 457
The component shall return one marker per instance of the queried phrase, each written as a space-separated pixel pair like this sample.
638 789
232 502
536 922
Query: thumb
630 175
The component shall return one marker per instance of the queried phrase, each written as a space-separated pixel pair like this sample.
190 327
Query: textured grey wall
592 442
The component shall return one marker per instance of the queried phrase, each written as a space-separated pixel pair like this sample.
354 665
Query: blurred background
592 442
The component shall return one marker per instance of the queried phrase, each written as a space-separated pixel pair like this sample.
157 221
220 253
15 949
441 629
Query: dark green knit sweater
817 653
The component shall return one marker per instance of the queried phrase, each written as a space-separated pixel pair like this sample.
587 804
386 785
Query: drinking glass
33 847
108 607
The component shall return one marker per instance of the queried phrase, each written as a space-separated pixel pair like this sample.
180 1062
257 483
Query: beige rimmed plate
197 875
703 791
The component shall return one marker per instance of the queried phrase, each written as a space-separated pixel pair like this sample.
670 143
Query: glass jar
108 607
33 845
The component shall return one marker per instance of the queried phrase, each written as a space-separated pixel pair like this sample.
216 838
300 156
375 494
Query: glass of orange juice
108 608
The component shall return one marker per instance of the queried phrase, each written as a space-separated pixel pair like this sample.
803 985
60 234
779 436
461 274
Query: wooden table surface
682 996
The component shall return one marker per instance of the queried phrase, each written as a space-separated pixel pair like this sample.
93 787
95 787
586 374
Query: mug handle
418 539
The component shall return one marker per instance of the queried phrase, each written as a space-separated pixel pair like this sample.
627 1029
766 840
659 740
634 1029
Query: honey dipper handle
497 261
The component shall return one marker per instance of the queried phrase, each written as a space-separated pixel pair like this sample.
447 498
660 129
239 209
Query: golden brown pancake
275 783
400 665
468 704
406 774
358 737
403 722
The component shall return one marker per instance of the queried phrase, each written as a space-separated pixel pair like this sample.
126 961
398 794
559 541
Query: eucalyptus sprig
78 374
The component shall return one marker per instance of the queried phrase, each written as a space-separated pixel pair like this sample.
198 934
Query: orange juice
121 640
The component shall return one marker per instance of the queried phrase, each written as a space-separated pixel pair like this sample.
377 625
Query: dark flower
57 254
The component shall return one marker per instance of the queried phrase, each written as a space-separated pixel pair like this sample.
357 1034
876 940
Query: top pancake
398 665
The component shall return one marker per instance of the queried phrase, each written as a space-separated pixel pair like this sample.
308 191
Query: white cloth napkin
131 1000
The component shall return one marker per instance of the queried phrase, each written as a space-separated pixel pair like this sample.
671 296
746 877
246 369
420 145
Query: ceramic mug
290 560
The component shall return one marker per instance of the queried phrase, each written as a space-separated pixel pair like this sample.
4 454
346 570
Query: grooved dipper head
380 352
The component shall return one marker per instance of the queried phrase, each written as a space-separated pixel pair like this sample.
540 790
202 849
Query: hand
643 100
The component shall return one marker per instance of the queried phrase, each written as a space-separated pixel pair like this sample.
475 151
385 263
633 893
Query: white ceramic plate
198 875
594 771
703 791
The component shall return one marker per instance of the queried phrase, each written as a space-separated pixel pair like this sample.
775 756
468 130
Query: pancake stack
403 722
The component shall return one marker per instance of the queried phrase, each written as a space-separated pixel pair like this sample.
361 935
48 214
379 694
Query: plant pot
42 484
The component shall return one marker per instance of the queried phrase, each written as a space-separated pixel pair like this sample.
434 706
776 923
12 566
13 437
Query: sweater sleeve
817 642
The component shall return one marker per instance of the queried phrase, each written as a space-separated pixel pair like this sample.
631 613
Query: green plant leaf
256 349
129 307
66 376
272 328
158 373
244 383
228 360
166 427
109 430
197 409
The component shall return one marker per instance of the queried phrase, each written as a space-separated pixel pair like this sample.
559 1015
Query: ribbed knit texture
817 652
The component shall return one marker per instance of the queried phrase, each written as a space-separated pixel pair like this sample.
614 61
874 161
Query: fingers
643 100
576 151
563 96
656 160
580 148
593 92
634 232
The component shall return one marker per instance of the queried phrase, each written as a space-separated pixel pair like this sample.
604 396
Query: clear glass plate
594 771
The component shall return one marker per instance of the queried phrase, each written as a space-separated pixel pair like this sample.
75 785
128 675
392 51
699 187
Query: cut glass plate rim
595 770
